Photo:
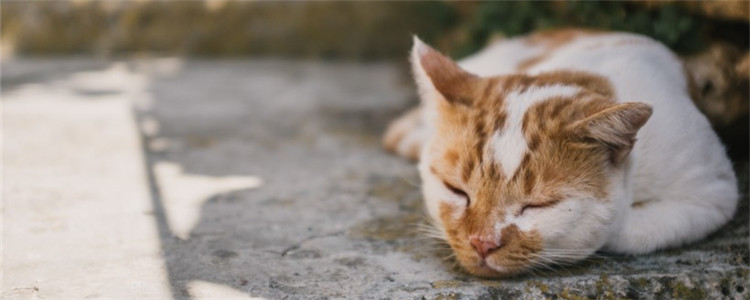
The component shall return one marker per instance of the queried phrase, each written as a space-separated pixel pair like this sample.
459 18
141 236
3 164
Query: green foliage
669 23
435 17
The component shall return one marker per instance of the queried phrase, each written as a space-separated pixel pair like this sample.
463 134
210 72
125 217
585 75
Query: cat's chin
488 270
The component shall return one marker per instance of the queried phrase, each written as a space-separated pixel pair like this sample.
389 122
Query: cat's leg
406 135
654 225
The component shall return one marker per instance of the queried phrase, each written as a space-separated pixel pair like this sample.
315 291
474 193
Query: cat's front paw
406 135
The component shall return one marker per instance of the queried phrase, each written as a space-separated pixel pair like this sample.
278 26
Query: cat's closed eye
458 192
532 206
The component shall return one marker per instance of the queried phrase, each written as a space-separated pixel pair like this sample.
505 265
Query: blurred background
199 149
712 36
343 30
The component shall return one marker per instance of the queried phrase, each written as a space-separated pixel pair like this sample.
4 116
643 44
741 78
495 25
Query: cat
544 149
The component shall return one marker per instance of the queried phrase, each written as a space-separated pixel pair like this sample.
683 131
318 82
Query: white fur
678 164
509 144
500 58
435 191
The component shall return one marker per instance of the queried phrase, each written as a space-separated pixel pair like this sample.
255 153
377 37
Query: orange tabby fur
555 156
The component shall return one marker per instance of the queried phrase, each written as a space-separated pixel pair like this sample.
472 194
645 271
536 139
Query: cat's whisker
448 257
427 228
537 267
539 260
409 182
544 263
571 256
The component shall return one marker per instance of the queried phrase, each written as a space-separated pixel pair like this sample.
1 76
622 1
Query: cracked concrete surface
179 179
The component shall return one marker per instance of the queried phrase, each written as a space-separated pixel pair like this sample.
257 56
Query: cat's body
529 156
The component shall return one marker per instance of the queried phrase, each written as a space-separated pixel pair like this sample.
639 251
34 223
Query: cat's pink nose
484 247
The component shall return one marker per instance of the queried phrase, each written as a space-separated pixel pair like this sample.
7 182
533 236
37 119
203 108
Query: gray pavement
163 178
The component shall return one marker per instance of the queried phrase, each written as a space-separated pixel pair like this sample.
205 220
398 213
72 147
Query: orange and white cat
544 149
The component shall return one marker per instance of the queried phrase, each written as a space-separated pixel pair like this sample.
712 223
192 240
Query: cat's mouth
515 253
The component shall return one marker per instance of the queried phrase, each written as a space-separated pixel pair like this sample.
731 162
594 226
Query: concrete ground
163 178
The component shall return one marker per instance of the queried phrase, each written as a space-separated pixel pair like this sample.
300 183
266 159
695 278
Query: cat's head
521 171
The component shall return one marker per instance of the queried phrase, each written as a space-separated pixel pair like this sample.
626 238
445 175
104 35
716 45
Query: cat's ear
436 73
615 127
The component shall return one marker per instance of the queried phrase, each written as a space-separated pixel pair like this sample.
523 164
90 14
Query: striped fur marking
509 143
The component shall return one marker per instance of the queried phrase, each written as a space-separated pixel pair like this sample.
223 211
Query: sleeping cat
543 149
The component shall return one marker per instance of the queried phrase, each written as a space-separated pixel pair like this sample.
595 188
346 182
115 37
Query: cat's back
677 152
637 67
613 55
